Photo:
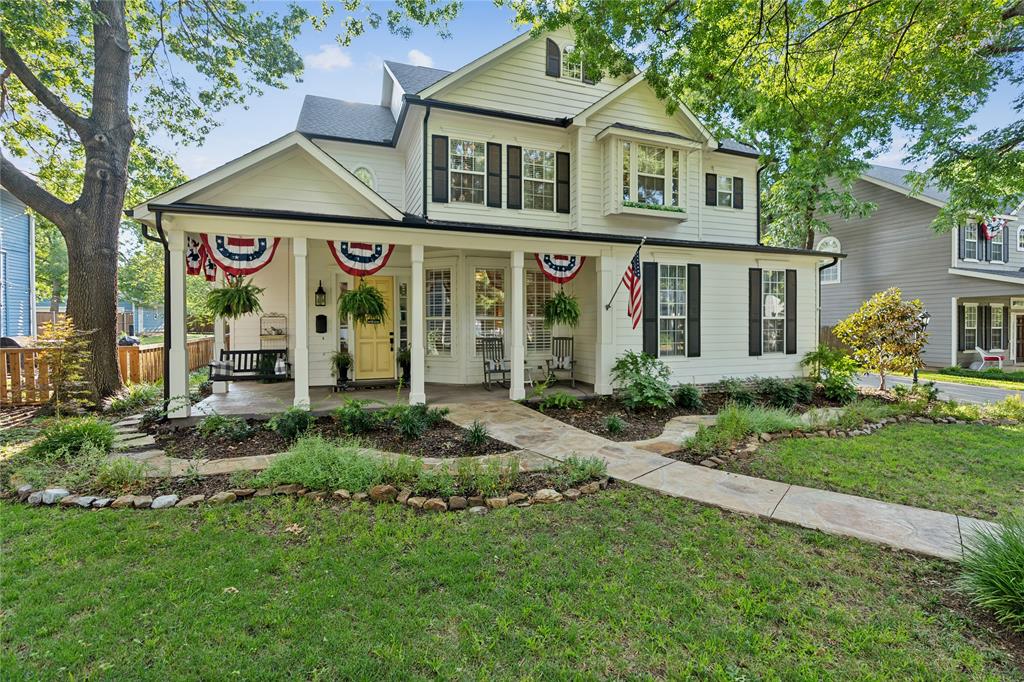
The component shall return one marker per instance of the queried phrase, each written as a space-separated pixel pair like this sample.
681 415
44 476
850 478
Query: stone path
918 530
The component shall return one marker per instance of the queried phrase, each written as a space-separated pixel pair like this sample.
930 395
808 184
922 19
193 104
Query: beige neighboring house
464 177
971 281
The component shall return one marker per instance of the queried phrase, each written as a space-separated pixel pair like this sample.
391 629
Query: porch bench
249 365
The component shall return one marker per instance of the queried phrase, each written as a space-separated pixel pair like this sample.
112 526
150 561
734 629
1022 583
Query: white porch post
517 390
219 326
955 336
417 391
605 324
300 363
175 342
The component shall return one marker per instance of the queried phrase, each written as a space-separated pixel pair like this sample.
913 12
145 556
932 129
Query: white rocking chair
996 355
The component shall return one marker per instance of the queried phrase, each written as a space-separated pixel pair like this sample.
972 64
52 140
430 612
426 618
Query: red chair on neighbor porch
988 356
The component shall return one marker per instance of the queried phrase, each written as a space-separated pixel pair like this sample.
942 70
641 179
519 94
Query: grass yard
969 381
622 584
965 469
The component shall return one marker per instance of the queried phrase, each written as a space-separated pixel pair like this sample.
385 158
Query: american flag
632 279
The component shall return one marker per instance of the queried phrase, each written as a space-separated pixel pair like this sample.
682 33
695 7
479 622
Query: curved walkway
923 531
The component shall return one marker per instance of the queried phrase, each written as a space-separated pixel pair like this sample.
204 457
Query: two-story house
468 198
17 268
971 281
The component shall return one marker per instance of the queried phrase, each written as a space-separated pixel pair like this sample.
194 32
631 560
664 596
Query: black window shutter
693 310
650 319
554 60
961 241
981 245
985 326
562 182
790 312
961 337
737 192
710 189
754 326
1006 328
1006 244
514 198
590 76
494 174
439 169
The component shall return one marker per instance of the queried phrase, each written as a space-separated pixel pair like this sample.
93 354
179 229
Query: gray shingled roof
731 145
897 177
326 117
415 78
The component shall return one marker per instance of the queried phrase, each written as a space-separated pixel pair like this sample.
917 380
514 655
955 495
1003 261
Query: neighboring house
17 267
130 317
971 285
463 178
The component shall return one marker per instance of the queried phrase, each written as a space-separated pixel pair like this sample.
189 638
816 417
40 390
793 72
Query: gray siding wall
897 247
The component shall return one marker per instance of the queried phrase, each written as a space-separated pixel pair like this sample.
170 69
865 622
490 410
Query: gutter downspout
757 217
821 268
162 240
426 119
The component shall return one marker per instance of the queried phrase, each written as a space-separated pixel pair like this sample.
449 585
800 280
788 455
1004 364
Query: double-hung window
1020 238
439 311
651 175
467 161
572 65
489 296
773 311
971 242
538 180
671 309
997 326
538 290
725 190
996 243
970 326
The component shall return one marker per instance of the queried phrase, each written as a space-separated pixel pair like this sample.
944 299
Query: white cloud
329 58
419 58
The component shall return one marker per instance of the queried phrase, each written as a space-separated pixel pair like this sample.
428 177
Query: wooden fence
25 376
827 336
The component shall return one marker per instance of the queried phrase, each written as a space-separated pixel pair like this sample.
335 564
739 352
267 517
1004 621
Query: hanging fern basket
364 304
561 309
239 297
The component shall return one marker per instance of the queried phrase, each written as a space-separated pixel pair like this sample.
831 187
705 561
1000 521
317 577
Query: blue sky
354 73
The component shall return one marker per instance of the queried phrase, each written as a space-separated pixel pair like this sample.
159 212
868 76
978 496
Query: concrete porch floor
253 399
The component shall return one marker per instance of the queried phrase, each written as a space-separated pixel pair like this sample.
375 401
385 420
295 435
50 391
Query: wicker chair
562 358
495 365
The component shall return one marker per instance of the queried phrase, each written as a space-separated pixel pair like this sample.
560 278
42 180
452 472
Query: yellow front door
375 342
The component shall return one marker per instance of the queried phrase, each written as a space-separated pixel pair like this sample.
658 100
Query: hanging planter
364 304
237 298
561 309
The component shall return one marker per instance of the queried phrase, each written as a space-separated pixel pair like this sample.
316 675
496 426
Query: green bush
559 400
1010 407
355 418
804 391
736 422
735 391
119 475
291 423
476 435
776 392
576 470
412 421
614 424
642 381
835 370
992 571
863 411
65 438
436 482
839 389
321 464
219 426
134 397
688 397
990 373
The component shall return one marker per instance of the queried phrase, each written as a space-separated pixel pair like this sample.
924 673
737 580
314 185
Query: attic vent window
365 175
572 67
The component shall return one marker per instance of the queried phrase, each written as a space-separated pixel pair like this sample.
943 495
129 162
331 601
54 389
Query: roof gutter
426 120
757 217
563 122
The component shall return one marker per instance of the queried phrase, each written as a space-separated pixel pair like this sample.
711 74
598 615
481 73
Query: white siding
385 163
411 145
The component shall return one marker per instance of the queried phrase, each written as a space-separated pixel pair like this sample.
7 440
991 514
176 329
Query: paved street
949 390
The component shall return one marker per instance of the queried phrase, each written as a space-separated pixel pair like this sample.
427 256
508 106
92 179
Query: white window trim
968 347
553 182
993 327
452 172
765 317
452 307
567 50
837 268
998 258
671 171
674 317
968 240
1020 238
731 191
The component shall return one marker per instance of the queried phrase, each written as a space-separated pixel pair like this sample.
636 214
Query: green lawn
970 381
965 469
623 584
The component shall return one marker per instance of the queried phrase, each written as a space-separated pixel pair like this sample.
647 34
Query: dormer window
650 175
572 67
566 63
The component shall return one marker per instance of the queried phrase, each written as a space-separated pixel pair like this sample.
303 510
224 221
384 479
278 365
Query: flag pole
608 306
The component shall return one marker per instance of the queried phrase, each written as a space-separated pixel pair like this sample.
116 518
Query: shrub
835 370
476 434
354 417
839 389
436 482
735 391
871 410
321 464
614 424
804 391
643 381
411 424
134 397
575 470
1010 407
492 478
219 426
736 422
992 571
688 397
776 392
65 438
990 373
822 360
559 400
291 423
119 474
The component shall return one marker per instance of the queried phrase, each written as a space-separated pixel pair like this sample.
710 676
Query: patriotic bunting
559 268
240 256
360 259
197 261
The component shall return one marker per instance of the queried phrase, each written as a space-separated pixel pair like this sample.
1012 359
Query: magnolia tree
886 335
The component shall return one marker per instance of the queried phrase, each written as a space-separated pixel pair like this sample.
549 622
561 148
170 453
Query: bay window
651 175
773 311
671 309
438 316
489 306
538 180
467 162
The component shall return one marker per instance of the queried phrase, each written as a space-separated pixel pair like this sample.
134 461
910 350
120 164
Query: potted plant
561 309
363 304
404 360
237 298
340 362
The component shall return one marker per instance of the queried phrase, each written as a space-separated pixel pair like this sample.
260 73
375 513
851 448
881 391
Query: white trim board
987 275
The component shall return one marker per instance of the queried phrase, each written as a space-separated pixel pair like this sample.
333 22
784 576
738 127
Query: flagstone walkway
924 531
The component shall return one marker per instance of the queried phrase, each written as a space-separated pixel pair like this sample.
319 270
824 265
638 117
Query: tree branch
1014 10
46 97
32 195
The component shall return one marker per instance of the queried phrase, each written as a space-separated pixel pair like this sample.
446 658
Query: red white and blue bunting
240 256
559 268
992 227
360 259
197 261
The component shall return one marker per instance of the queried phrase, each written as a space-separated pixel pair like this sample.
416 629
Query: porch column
417 392
517 319
219 326
175 342
300 363
605 324
955 336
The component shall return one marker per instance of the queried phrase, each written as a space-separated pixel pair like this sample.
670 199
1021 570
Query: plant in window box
340 362
561 308
654 207
237 298
364 304
404 358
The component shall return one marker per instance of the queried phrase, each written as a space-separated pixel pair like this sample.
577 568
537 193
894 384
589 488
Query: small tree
886 335
65 352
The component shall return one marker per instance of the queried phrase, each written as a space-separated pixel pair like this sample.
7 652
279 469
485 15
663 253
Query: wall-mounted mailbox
321 324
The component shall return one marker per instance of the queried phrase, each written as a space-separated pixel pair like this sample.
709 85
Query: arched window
831 275
366 176
553 62
572 67
1020 238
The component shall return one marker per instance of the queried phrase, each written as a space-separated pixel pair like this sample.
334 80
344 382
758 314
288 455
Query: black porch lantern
320 296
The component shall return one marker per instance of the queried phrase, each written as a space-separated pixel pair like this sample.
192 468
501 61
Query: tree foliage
64 350
886 334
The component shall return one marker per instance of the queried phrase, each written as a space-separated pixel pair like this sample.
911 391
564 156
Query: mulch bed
444 440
